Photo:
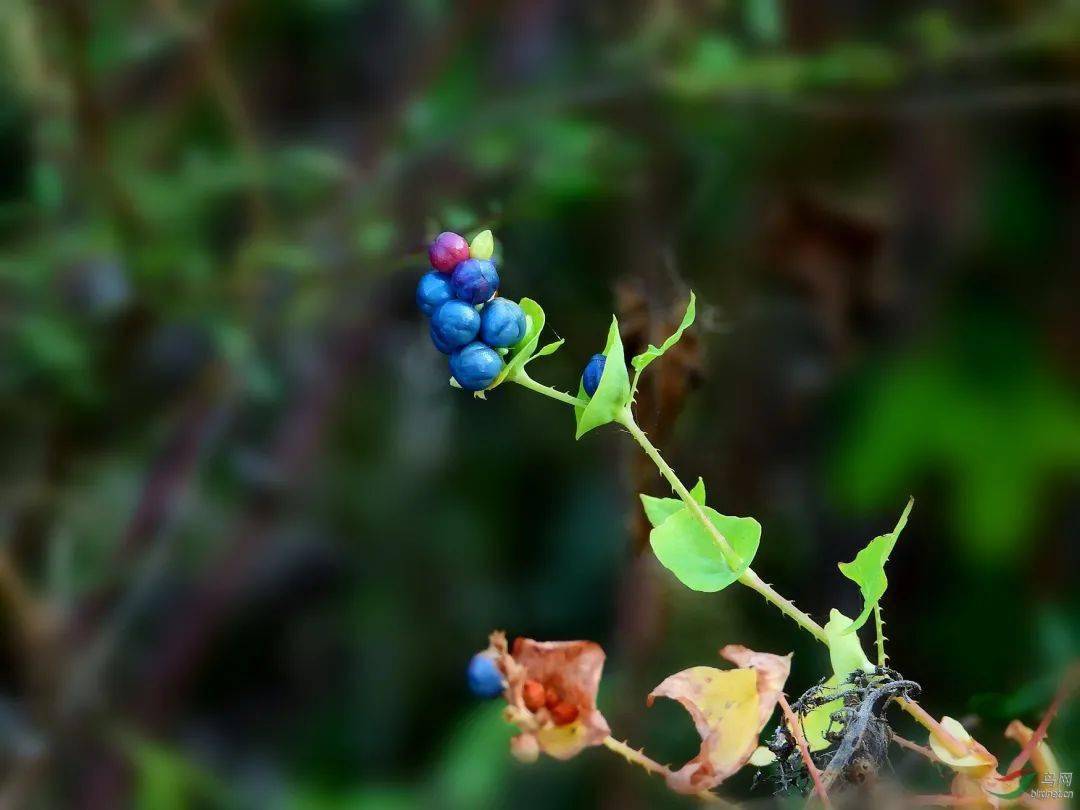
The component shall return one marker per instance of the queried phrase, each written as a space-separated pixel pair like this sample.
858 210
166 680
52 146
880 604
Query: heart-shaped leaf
612 394
688 550
657 510
867 570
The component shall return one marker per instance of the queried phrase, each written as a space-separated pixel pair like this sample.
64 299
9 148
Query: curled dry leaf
729 708
976 763
551 695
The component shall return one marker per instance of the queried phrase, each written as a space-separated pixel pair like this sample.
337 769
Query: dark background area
250 536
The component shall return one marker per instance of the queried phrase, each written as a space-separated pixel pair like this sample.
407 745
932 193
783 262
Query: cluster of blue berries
468 322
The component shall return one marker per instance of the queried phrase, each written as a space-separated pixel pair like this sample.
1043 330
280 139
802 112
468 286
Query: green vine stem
879 624
749 578
524 380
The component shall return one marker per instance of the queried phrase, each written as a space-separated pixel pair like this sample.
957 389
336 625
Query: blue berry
453 325
433 291
502 323
475 281
476 366
485 680
594 370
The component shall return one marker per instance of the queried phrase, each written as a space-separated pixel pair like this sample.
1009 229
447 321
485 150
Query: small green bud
482 246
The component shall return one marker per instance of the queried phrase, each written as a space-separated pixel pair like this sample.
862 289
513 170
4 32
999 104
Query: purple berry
502 323
475 281
453 325
448 251
594 370
433 291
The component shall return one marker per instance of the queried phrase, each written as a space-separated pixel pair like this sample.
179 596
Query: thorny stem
903 742
923 718
749 578
523 379
641 759
804 750
880 625
635 757
1067 686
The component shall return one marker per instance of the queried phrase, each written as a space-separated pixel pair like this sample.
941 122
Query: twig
636 757
804 749
913 746
1068 683
879 623
923 718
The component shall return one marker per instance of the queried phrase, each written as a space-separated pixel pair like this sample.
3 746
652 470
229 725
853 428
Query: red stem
804 749
1067 685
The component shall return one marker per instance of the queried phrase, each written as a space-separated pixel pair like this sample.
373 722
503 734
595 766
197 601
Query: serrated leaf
867 570
612 394
522 351
688 550
641 361
657 510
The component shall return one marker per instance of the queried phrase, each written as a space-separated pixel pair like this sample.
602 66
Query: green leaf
612 394
646 357
482 246
657 510
688 550
845 651
523 350
867 570
549 348
845 656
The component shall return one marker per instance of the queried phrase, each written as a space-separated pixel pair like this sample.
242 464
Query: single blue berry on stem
433 291
476 366
594 370
475 281
502 323
453 325
485 680
448 251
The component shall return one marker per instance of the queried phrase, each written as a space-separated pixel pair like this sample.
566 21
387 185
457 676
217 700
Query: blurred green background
249 535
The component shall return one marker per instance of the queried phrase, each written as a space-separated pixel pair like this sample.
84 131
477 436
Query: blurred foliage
270 536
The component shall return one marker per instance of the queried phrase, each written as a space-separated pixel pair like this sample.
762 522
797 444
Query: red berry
448 251
564 713
532 692
551 698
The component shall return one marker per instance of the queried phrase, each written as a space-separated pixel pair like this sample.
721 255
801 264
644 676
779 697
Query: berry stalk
524 380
